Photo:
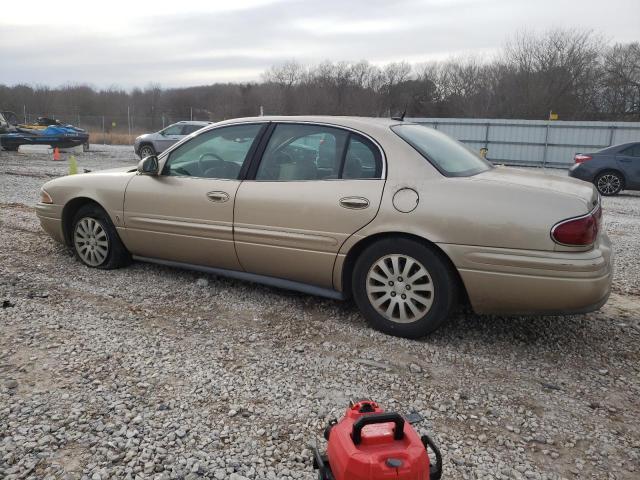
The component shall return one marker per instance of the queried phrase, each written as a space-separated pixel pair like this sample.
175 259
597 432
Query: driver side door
185 214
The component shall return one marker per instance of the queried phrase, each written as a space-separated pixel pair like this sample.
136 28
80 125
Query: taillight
581 158
579 231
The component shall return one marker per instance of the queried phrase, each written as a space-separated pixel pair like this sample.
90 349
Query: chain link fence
111 129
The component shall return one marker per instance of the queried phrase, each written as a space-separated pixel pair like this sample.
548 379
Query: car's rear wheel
609 183
147 151
95 240
403 287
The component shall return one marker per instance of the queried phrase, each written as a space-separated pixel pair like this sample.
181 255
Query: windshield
10 118
449 156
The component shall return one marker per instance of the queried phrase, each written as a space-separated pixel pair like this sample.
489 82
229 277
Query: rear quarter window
632 151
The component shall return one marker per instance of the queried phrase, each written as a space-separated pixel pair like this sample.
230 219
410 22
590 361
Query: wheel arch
355 251
610 169
69 211
147 143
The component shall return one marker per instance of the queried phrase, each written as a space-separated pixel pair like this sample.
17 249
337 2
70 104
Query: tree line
574 73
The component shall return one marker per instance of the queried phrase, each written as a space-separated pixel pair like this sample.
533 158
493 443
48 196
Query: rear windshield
449 156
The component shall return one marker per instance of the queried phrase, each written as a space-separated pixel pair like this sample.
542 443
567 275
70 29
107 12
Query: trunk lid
541 181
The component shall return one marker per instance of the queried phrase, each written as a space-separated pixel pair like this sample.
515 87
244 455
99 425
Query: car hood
109 171
541 181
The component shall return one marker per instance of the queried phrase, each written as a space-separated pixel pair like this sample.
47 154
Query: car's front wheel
609 183
403 287
95 239
147 151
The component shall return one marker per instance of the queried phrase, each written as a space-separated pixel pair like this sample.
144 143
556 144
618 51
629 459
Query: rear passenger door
629 162
311 187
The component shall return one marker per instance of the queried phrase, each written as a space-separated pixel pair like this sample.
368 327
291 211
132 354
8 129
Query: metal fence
534 142
511 142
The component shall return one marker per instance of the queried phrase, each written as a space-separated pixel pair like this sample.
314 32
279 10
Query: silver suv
155 143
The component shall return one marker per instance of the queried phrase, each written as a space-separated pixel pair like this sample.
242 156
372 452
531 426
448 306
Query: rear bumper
50 217
500 281
577 171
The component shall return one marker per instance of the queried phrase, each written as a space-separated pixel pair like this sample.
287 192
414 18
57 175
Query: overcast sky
194 42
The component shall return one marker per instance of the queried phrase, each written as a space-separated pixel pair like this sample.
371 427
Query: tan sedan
398 216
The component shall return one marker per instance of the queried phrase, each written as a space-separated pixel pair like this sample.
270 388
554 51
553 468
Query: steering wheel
204 157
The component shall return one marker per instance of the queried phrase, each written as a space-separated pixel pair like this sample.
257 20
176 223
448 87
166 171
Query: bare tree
572 72
621 81
556 71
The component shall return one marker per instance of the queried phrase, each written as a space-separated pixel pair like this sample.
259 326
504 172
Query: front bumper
50 216
502 281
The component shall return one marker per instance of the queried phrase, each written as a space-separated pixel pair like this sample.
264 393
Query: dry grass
112 138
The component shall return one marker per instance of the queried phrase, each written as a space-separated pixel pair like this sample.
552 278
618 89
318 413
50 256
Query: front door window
218 153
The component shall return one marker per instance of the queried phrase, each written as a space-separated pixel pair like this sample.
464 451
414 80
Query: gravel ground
152 372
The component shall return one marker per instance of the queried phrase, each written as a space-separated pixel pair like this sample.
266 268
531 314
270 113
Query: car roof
368 125
192 122
617 148
338 120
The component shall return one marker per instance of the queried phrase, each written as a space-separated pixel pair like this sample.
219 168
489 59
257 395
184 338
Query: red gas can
371 444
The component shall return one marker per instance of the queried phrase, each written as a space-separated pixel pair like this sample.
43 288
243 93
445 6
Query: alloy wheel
609 184
400 288
146 152
91 241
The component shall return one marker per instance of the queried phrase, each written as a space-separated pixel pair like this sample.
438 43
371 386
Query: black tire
11 148
147 150
116 253
442 279
609 183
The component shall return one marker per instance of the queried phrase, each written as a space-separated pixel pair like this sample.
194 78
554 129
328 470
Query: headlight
45 197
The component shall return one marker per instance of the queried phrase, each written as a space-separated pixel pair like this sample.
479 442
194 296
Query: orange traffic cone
56 154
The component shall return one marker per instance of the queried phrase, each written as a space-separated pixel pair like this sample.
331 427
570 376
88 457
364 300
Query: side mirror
148 165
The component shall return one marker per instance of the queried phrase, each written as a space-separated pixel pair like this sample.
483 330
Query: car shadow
490 334
523 336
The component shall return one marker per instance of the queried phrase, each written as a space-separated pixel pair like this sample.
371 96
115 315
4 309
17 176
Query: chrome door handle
218 197
355 203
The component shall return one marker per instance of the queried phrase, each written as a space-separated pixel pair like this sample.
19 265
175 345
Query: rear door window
362 159
297 152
